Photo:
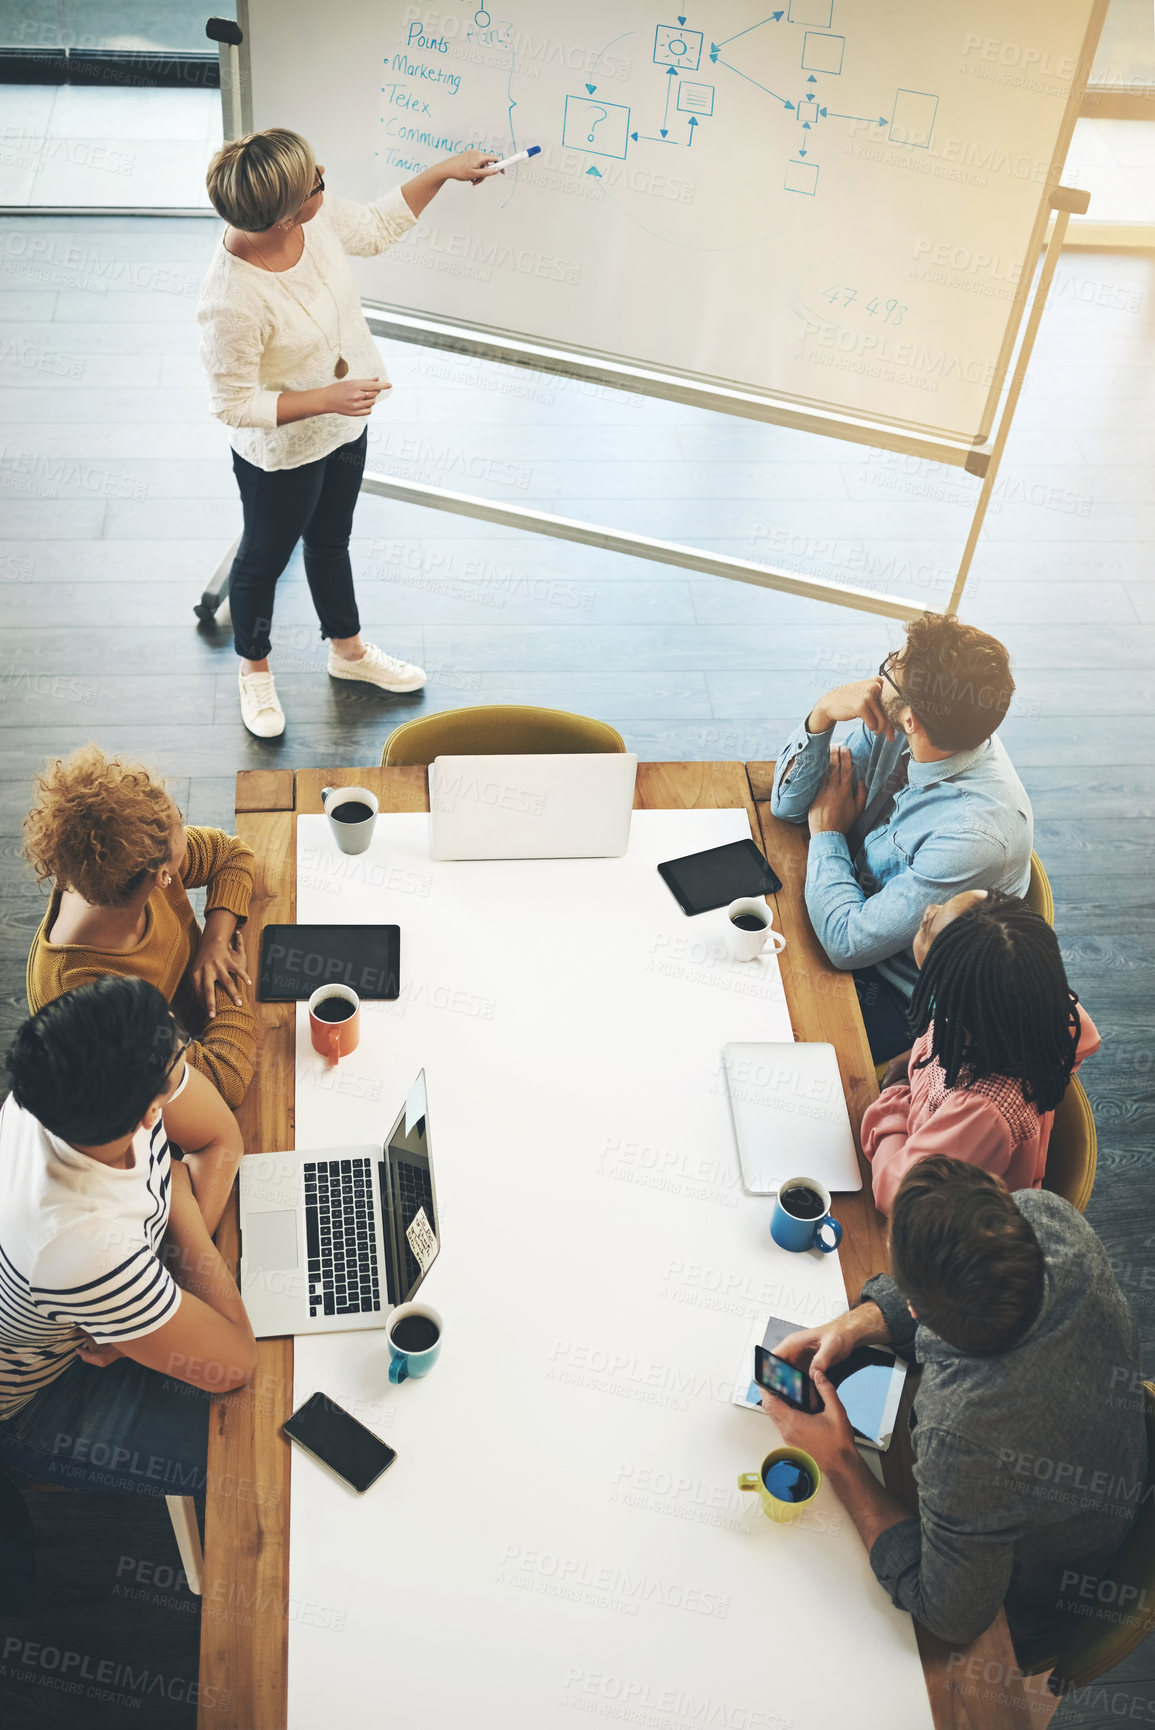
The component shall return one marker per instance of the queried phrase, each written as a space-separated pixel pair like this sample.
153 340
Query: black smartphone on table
335 1438
786 1380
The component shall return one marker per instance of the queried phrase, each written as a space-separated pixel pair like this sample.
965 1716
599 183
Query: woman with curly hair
998 1033
109 838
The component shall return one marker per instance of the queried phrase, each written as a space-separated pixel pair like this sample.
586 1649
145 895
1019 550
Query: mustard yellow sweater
225 1049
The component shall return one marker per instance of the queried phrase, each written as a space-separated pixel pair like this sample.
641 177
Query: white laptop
572 805
790 1116
332 1238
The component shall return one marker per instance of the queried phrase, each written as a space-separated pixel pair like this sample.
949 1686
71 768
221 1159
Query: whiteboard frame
980 457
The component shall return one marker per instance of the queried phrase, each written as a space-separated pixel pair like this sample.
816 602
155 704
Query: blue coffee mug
791 1232
404 1364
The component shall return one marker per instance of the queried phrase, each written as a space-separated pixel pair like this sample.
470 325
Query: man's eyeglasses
320 187
884 672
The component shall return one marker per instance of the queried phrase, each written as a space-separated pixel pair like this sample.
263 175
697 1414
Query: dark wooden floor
118 500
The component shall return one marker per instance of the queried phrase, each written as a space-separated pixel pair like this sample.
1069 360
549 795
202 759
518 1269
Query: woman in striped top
115 1305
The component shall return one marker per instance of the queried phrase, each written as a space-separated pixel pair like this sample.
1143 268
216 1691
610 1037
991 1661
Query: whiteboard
837 204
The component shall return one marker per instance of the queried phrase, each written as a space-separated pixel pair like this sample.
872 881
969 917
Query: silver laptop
333 1238
790 1116
572 805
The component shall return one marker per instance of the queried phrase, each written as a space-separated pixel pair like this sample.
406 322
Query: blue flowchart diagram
681 53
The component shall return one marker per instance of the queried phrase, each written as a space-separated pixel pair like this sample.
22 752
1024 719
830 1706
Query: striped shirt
78 1251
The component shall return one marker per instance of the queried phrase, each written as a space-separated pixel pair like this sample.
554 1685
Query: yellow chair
497 729
1091 1645
1073 1150
1038 896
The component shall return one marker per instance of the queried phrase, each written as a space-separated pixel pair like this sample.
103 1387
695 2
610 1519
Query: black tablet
296 959
703 881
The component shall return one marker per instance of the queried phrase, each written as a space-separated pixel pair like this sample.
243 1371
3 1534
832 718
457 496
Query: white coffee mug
747 945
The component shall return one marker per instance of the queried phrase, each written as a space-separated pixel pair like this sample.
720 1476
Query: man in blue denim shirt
919 803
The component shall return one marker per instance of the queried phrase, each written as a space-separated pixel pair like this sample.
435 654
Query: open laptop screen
408 1198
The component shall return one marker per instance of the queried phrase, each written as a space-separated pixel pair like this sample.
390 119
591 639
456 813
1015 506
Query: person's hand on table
220 960
821 1348
897 1072
826 1435
860 701
838 801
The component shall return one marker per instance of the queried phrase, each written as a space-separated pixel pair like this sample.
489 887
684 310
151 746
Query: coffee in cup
335 1021
352 814
801 1218
414 1336
750 927
786 1482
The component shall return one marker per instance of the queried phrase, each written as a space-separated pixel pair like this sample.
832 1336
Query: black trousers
314 502
884 1013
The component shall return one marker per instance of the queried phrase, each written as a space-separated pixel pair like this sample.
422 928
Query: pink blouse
989 1124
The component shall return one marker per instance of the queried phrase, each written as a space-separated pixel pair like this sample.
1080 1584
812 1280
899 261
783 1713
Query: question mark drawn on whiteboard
604 115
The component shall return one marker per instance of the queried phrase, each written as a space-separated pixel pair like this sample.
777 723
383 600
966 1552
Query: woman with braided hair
997 1032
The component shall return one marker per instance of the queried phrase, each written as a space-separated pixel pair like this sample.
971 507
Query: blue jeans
123 1429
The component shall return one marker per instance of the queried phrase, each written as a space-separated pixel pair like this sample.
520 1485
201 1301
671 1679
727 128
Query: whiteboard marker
522 156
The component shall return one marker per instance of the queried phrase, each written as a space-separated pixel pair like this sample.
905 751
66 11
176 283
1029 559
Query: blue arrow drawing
591 88
758 86
693 129
714 46
671 74
869 118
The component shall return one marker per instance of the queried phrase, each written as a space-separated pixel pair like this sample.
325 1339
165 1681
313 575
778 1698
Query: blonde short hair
257 181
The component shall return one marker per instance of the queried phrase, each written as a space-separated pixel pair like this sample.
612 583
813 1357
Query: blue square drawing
913 119
674 46
822 53
599 128
801 177
695 98
820 13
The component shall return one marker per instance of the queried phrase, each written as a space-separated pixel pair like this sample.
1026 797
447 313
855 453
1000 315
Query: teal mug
801 1218
414 1335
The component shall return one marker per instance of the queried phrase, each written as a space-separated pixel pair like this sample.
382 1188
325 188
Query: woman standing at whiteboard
293 370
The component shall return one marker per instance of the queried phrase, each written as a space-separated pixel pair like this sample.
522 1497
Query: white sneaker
377 668
260 709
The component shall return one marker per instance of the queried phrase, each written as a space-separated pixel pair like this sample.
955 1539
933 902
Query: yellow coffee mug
774 1507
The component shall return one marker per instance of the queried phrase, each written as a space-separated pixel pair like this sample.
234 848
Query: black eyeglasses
320 187
185 1040
884 672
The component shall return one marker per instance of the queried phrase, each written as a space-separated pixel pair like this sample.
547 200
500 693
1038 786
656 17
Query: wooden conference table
245 1608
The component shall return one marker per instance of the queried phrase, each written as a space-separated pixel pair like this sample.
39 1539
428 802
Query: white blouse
266 331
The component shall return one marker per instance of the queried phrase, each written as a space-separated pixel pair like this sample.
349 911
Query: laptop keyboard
341 1237
416 1191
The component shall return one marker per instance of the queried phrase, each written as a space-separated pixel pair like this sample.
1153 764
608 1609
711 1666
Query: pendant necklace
342 366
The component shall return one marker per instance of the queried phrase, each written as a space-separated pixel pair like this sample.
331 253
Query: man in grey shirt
1030 1450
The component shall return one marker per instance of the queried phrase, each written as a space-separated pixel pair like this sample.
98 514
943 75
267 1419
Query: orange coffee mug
335 1021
